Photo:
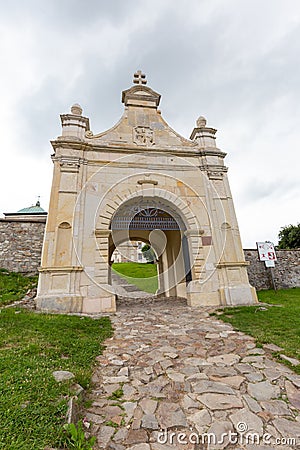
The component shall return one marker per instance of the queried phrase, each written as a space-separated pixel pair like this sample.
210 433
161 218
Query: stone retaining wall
286 271
21 247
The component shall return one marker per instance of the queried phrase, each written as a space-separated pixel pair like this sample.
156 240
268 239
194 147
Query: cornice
61 269
78 144
203 132
75 120
214 168
69 163
74 144
232 264
139 165
211 152
141 95
194 233
214 171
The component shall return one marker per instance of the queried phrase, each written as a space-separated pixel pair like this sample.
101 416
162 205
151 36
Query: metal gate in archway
149 218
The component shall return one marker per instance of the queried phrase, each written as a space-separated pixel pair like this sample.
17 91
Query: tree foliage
148 253
289 237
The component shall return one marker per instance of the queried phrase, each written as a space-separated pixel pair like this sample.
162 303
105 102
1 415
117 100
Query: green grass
13 286
144 276
278 325
33 405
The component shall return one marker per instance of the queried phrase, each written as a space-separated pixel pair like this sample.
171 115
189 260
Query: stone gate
140 180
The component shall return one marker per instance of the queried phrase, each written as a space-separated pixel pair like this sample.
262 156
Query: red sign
266 251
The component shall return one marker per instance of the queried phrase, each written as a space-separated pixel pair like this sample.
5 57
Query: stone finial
74 123
201 122
205 136
139 77
76 109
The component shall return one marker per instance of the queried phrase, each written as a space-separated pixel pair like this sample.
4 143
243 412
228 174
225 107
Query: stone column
171 267
99 296
102 264
195 252
161 283
61 274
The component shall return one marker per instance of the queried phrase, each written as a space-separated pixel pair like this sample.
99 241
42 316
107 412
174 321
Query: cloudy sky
236 62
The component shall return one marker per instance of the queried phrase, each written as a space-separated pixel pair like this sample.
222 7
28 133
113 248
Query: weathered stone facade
21 245
140 181
286 271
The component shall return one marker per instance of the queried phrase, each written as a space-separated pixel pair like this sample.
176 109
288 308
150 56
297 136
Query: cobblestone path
175 368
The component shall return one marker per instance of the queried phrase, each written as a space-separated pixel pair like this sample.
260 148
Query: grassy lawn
278 325
13 286
33 405
144 276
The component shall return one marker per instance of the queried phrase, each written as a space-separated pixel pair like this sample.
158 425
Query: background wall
21 247
286 271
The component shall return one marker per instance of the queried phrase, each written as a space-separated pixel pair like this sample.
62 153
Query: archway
158 223
140 161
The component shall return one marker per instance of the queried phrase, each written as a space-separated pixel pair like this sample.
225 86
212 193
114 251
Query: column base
99 305
59 303
196 295
181 290
228 295
238 295
76 304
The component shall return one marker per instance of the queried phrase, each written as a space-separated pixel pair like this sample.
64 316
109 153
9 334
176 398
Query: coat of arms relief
143 136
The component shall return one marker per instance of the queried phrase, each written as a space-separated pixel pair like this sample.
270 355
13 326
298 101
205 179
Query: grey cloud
188 63
192 65
70 15
38 120
258 189
231 66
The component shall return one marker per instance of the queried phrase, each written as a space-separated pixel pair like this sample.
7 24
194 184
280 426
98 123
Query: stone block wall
21 245
286 271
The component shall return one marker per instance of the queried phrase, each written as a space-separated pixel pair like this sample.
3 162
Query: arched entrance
158 223
140 179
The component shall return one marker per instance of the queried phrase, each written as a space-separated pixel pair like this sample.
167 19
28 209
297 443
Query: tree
148 253
289 237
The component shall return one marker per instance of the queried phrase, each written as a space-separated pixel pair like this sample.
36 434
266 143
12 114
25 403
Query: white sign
266 251
270 263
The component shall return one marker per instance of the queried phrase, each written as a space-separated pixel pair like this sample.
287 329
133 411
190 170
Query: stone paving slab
172 377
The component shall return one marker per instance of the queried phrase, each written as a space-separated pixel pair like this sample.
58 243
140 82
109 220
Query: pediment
143 130
140 93
141 126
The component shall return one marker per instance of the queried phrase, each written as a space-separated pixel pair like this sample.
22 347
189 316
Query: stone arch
133 189
112 205
176 260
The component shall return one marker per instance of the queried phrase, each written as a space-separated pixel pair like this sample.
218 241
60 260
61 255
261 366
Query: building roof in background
33 209
31 213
